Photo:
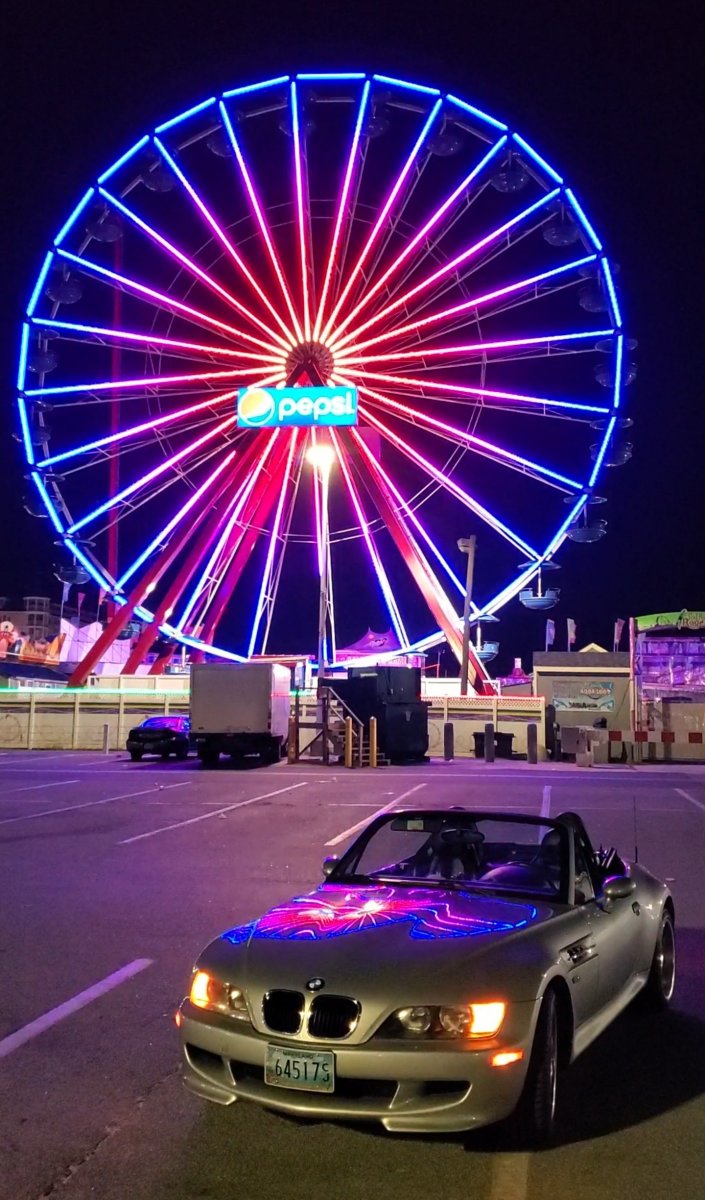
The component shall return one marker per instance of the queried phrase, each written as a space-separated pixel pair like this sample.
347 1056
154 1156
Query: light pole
321 455
467 546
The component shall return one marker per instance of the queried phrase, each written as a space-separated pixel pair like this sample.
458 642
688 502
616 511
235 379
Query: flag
571 631
618 627
65 592
550 632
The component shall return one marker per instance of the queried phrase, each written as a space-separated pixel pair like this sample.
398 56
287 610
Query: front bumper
409 1087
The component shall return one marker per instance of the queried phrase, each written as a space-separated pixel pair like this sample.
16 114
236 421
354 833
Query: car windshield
163 723
481 852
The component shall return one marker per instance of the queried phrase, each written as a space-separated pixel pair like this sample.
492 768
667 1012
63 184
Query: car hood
380 937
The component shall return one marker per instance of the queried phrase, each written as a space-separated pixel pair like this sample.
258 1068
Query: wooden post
373 741
348 742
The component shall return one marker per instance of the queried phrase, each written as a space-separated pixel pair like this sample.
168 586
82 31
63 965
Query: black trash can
502 744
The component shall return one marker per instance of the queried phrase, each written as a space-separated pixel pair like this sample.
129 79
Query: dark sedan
160 735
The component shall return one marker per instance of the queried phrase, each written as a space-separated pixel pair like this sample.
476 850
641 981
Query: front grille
282 1010
333 1016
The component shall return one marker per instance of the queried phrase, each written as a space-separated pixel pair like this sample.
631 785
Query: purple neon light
41 278
135 430
486 298
480 347
409 248
146 381
298 175
490 449
200 274
153 474
224 239
317 512
386 207
465 390
342 204
154 340
459 259
175 520
237 504
382 577
259 215
266 575
163 299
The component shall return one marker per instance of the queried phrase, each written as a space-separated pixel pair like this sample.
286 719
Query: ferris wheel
350 238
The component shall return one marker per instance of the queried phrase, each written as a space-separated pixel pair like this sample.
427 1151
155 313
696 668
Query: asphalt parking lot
114 874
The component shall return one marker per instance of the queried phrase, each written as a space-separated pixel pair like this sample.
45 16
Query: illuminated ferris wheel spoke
490 397
146 381
467 306
224 240
448 268
382 577
342 208
260 218
164 301
382 218
109 333
475 348
476 444
265 588
153 474
421 238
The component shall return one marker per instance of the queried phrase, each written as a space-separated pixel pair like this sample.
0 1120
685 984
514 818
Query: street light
467 546
321 455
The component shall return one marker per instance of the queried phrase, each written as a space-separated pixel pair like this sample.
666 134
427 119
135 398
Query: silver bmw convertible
448 968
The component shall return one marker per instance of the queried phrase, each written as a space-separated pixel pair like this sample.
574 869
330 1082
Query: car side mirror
329 864
618 887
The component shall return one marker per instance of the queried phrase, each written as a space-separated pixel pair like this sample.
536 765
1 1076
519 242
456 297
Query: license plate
308 1070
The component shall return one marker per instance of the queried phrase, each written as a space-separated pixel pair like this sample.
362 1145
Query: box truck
239 709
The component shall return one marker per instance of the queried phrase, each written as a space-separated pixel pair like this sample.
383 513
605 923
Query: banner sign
310 407
591 694
672 620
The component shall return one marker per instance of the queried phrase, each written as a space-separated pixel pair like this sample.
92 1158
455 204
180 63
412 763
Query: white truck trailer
239 709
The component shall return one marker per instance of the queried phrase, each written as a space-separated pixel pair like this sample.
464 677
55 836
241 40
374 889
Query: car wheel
136 755
165 755
182 753
661 983
533 1121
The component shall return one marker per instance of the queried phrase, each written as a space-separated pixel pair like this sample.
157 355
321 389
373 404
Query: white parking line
206 816
687 795
54 1015
36 787
361 824
510 1177
50 812
546 802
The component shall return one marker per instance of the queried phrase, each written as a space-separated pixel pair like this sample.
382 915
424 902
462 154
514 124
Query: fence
469 714
76 720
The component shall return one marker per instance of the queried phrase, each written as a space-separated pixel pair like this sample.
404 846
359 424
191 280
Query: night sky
605 90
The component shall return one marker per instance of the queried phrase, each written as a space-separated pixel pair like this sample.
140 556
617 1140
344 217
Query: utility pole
467 546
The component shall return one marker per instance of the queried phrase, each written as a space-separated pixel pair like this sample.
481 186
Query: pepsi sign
271 407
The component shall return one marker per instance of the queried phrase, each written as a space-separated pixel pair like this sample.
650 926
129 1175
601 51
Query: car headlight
211 993
466 1021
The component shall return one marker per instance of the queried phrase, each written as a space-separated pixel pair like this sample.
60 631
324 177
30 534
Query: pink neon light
470 439
162 298
372 549
317 509
199 273
154 340
423 232
298 172
153 474
470 252
341 209
401 178
477 347
260 218
134 430
464 390
414 326
225 240
145 381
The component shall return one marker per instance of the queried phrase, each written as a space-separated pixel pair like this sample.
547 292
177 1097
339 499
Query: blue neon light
618 363
403 83
22 366
39 284
91 568
190 112
74 216
48 502
123 159
580 214
603 450
26 436
257 87
541 162
607 271
333 75
476 112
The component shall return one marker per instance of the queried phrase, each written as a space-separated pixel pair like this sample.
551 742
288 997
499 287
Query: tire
533 1122
182 753
660 986
209 758
165 755
136 755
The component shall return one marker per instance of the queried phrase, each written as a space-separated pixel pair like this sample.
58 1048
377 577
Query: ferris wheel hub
309 358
